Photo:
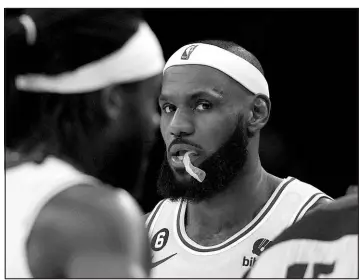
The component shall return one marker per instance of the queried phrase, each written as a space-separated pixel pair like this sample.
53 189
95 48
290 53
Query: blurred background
310 60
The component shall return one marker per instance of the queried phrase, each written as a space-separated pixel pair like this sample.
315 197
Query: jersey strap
154 214
308 204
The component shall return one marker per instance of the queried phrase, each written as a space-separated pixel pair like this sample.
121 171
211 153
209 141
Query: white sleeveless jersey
29 187
176 255
323 244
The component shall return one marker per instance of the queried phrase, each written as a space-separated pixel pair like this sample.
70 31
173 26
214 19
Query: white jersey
176 255
323 244
29 187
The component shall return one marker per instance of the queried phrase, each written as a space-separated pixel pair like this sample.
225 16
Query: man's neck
231 210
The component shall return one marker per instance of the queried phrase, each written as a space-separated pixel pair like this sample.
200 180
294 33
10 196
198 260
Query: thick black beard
221 168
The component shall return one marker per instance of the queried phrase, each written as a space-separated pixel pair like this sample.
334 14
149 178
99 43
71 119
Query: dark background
310 60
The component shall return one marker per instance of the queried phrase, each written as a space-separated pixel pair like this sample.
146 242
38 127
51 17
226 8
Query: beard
221 168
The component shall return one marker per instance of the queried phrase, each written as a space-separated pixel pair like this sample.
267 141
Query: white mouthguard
195 172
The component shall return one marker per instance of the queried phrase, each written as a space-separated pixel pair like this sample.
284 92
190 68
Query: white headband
232 65
30 28
140 58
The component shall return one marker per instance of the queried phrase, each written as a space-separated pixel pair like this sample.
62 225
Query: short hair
66 40
237 50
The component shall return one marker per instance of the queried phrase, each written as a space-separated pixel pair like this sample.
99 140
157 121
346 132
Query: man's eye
202 106
168 108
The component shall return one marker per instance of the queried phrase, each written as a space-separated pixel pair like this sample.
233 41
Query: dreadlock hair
66 39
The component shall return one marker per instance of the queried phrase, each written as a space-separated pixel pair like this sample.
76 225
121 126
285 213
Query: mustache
183 141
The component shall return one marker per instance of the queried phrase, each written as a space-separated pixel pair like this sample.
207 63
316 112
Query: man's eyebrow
211 91
216 93
162 97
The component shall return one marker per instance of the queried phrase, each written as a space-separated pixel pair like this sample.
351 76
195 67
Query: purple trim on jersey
154 214
316 197
238 237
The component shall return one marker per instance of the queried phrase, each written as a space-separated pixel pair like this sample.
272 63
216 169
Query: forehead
188 78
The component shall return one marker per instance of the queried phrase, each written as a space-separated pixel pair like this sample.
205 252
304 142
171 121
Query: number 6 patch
160 239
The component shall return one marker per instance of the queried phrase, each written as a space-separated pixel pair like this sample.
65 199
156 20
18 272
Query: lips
177 151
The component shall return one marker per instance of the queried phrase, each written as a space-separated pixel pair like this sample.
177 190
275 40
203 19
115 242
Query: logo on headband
187 52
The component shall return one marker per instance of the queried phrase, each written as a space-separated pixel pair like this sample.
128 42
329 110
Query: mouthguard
192 170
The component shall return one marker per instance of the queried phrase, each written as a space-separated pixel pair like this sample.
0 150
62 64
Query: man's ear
259 113
112 101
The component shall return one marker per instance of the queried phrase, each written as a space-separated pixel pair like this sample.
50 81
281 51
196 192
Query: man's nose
181 124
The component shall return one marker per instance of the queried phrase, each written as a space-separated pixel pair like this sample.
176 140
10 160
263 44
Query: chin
183 178
181 175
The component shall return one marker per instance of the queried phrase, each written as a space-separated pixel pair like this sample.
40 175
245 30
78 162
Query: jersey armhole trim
152 216
310 202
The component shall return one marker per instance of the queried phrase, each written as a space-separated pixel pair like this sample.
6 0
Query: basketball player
80 115
323 244
221 209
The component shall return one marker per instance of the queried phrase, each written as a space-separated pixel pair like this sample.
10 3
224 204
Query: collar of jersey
195 248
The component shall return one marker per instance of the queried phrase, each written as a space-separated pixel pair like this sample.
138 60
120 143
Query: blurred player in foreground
221 208
323 244
81 94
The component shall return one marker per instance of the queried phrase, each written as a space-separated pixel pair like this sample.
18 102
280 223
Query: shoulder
329 221
88 204
312 196
83 217
86 198
345 203
149 217
320 202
